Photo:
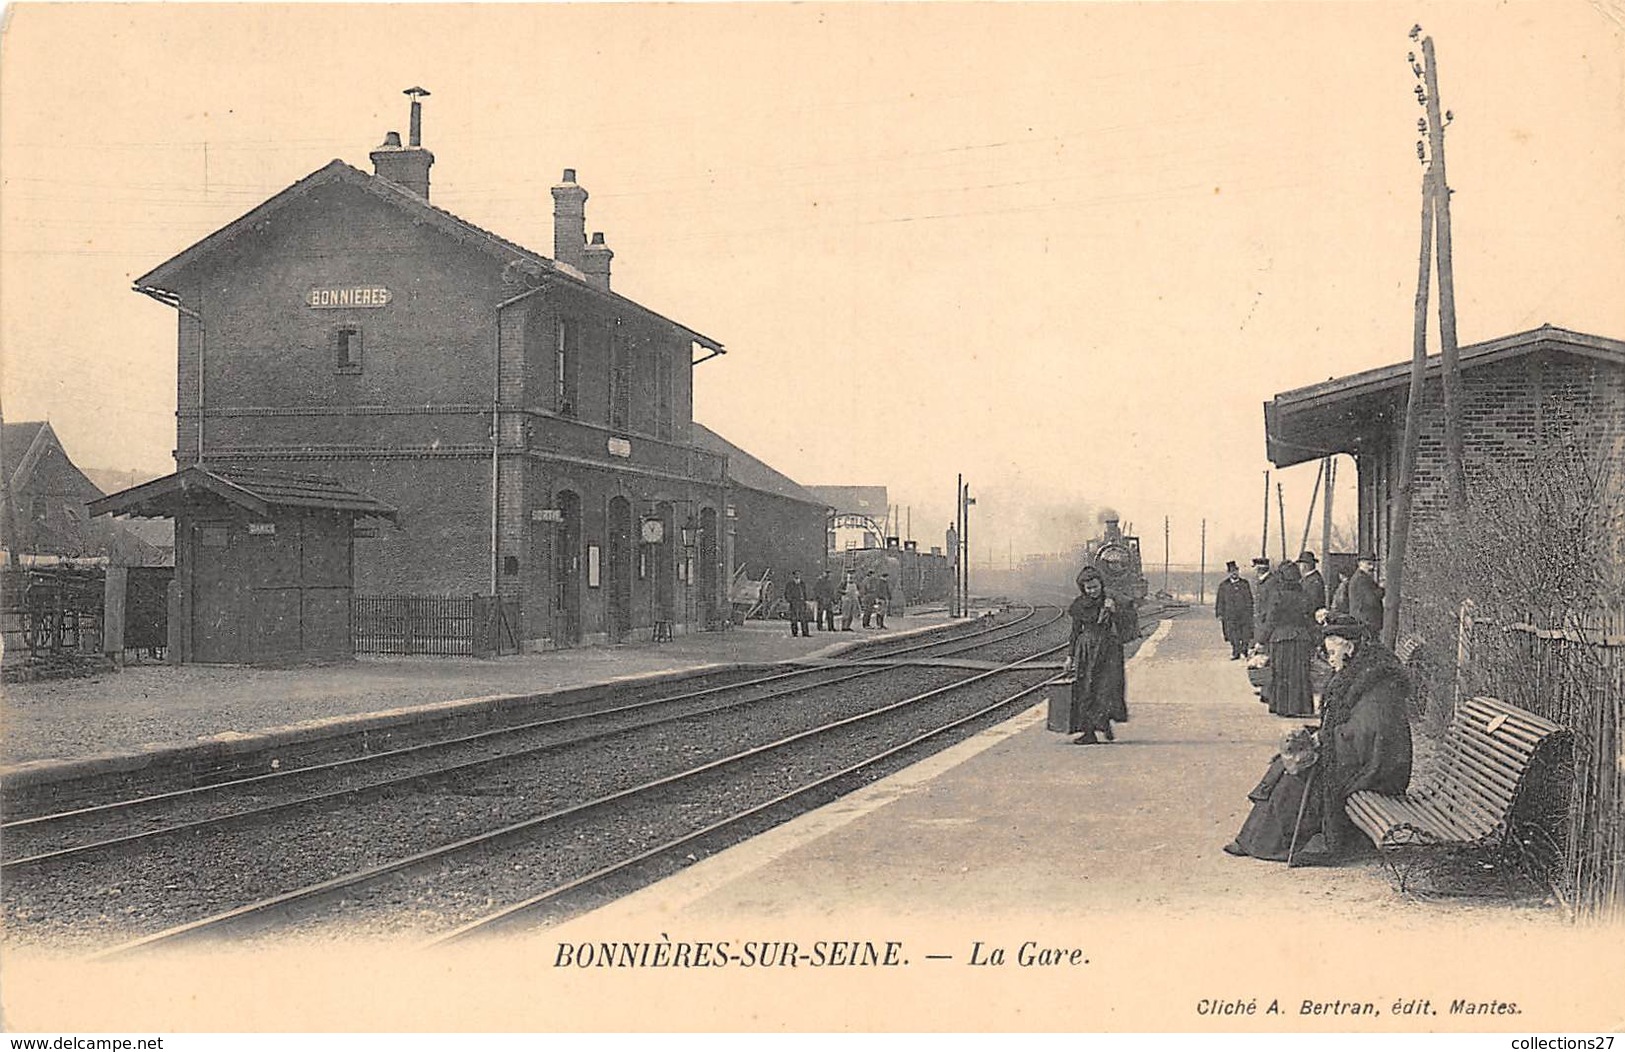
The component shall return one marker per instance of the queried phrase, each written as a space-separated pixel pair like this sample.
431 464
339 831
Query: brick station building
1519 393
531 427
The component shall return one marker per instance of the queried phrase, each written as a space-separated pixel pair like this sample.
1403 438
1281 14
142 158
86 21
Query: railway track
778 773
102 827
218 858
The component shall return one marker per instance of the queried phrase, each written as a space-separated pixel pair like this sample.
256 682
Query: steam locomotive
1117 556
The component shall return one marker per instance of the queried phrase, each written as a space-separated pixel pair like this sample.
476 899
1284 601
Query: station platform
1029 883
1012 883
69 728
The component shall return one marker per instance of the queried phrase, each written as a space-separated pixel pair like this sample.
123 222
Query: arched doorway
619 570
709 559
567 571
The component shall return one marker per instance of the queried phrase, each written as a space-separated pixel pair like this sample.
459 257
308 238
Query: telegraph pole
1455 472
1264 543
1326 509
1165 553
1399 538
964 540
954 608
1201 580
1280 503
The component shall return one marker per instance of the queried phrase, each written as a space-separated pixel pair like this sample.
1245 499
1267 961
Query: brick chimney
406 166
570 224
596 262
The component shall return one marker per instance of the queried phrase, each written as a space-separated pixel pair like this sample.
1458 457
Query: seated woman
1286 812
1365 730
1364 742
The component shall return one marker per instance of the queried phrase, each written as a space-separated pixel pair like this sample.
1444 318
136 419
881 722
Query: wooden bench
1469 801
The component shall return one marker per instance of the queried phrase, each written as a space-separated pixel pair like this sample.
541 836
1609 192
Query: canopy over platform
258 492
1337 415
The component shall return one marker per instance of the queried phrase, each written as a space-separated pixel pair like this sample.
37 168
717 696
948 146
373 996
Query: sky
1067 250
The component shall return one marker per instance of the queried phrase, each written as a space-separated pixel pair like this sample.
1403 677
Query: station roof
163 278
256 491
751 473
1335 415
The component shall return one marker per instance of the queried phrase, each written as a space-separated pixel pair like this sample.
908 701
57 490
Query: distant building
787 522
861 516
1518 392
47 497
531 427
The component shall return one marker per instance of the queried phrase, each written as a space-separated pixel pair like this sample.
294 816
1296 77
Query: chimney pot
595 261
570 221
406 166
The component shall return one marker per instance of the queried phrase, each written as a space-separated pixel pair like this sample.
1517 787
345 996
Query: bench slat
1501 781
1453 796
1522 717
1465 817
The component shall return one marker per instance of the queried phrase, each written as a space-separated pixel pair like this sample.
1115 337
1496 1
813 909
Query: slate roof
751 473
257 491
1309 422
160 281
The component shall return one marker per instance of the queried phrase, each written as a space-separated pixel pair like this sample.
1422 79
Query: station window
564 395
347 348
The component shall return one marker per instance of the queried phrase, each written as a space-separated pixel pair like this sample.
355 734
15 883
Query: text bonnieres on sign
347 296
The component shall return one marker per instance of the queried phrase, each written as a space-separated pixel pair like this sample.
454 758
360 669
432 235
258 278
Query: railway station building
1520 394
530 428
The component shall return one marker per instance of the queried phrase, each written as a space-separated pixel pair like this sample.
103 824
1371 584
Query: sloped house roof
162 281
257 492
747 471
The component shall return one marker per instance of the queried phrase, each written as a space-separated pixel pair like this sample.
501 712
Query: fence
443 626
1568 668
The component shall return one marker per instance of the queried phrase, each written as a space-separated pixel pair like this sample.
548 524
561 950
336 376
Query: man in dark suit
1314 585
1234 609
1263 592
1362 595
795 594
824 597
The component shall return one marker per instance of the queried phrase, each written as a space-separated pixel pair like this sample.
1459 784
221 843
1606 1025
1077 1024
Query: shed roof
1332 416
751 473
161 280
256 491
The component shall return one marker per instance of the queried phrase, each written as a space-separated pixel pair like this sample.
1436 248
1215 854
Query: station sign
337 297
547 515
261 529
620 447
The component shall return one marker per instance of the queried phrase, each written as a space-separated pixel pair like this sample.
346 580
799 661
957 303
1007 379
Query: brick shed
264 562
1519 393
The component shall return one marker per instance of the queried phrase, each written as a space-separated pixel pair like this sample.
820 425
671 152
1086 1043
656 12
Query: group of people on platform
1363 741
1279 625
868 598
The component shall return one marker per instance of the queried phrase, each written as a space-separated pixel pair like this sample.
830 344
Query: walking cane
1309 787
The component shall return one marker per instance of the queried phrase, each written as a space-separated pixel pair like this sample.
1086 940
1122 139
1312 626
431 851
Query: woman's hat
1345 626
1089 572
1289 573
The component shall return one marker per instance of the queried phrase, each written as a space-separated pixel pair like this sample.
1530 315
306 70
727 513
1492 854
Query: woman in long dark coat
1096 661
1365 731
1290 633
